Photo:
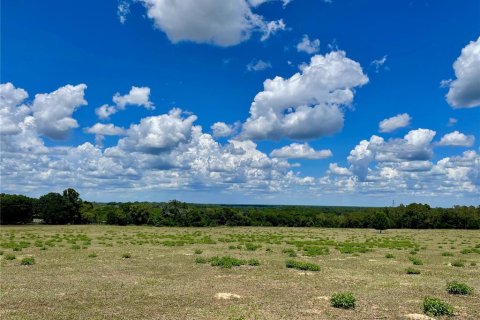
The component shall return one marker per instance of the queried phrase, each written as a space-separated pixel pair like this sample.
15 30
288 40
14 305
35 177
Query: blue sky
291 102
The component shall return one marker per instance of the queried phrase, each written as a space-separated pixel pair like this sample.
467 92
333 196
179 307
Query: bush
344 300
200 260
389 256
447 254
198 251
126 255
416 261
27 261
226 262
253 262
251 246
302 265
412 271
92 255
455 287
291 253
436 307
10 256
458 263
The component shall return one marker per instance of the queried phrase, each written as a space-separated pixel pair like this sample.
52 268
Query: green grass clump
436 307
92 255
302 265
10 256
313 251
251 246
27 261
198 251
412 271
455 287
389 256
343 300
201 260
458 263
253 262
291 253
75 247
416 261
447 254
126 255
226 262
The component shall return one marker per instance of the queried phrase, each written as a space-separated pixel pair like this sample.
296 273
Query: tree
15 209
380 221
52 209
73 204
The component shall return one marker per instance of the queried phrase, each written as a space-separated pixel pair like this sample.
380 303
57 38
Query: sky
314 102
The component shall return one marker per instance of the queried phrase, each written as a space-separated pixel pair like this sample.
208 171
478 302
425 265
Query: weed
198 251
10 256
458 263
436 307
416 261
389 256
27 261
343 300
302 265
412 271
455 287
447 254
126 255
92 255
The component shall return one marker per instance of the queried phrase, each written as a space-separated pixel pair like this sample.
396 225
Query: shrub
92 255
389 256
253 262
226 262
455 287
412 271
447 254
416 261
458 263
75 247
27 261
291 253
436 307
251 246
201 260
302 265
198 251
313 251
9 256
344 300
126 255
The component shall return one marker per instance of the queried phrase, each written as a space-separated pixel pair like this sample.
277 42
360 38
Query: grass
412 271
343 300
165 277
436 307
300 265
455 287
27 261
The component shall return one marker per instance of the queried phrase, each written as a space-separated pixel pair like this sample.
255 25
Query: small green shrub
198 251
302 265
10 256
126 255
458 263
416 261
291 253
226 262
412 271
27 261
455 287
389 256
436 307
253 262
251 246
201 260
343 300
92 255
75 247
447 254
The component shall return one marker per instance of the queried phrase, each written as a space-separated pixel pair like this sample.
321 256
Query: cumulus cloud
308 46
105 111
221 129
300 151
12 109
457 139
452 122
306 105
464 91
334 168
53 111
138 96
394 123
158 133
223 23
258 65
101 130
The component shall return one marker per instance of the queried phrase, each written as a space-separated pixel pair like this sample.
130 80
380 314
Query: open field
114 272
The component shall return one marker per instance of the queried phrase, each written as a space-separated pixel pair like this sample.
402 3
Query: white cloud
306 105
105 111
123 10
457 139
464 91
221 129
394 123
258 65
138 96
159 133
101 130
53 111
300 151
378 63
452 122
308 46
334 168
223 23
12 111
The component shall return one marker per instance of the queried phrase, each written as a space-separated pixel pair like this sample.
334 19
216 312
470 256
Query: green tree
15 209
73 204
52 209
379 221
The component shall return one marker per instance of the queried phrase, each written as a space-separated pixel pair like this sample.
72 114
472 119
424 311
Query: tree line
69 208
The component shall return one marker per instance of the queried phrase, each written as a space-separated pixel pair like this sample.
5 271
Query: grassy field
113 272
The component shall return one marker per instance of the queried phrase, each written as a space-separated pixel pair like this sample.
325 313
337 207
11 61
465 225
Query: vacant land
114 272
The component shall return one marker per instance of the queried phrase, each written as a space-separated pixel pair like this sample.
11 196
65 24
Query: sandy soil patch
418 316
227 296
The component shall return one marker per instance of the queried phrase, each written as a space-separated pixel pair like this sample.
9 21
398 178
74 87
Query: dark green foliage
290 252
126 255
27 261
15 209
412 271
436 307
455 287
226 262
379 221
253 262
201 260
389 256
458 263
416 261
198 251
252 246
9 256
55 208
343 300
295 264
92 255
313 251
447 254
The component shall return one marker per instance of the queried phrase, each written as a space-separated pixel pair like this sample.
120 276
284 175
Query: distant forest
69 208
